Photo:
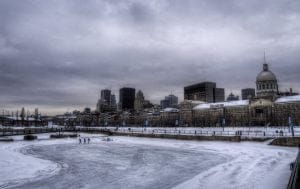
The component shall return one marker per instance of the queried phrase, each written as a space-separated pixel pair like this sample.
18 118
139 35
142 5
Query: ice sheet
128 162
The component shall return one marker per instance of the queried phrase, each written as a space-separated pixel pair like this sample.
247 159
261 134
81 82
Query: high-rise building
248 93
107 101
106 96
113 100
170 101
201 91
205 91
164 103
139 101
219 94
127 97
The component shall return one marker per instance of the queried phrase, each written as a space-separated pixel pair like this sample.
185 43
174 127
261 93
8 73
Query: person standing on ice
84 140
79 140
89 140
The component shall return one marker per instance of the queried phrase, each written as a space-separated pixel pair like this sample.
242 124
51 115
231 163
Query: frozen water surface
129 162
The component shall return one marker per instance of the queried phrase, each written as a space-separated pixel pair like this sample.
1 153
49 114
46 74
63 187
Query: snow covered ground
128 162
19 168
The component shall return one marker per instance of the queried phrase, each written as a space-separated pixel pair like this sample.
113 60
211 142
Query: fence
10 131
294 181
210 132
214 131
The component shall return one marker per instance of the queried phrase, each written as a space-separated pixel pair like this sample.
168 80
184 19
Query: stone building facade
267 109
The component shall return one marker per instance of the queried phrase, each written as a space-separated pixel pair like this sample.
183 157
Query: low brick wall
183 137
286 141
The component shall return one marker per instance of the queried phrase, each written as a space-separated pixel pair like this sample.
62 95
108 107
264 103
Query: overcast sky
57 55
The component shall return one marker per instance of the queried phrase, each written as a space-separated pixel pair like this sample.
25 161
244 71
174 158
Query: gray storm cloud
58 54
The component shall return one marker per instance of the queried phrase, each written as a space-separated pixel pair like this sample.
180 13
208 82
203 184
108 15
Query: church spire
265 65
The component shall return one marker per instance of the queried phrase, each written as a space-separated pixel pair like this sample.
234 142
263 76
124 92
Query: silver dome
266 75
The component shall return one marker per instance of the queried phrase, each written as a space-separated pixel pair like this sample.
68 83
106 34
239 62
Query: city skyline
56 55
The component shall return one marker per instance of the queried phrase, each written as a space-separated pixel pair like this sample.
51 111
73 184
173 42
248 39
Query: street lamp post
223 123
291 127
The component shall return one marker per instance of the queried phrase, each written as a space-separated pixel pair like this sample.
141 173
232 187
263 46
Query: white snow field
129 162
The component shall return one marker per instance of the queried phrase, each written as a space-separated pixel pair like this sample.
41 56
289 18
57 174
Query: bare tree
22 115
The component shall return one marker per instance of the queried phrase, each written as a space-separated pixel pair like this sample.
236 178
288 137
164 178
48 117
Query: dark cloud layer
57 54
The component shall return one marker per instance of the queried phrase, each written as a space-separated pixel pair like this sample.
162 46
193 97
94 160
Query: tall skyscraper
106 96
219 95
205 91
107 101
113 100
126 101
139 101
172 99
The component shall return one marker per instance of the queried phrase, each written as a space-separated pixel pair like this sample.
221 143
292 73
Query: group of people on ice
84 140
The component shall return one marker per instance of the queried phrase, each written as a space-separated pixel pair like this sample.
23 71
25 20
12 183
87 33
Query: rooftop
285 99
223 104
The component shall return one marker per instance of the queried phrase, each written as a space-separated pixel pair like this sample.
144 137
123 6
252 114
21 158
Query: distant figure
89 140
79 140
84 141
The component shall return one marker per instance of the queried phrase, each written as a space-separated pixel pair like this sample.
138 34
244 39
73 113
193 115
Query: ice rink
128 162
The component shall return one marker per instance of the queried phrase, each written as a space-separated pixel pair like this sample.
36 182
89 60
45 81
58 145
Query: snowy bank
18 167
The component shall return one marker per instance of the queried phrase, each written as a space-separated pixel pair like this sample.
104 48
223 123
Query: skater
89 140
79 140
84 141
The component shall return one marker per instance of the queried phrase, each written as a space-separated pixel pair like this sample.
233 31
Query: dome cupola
266 74
266 83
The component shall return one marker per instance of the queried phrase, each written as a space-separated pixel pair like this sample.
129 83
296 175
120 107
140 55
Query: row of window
266 86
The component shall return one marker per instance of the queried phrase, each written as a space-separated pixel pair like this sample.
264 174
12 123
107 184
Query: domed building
266 84
268 108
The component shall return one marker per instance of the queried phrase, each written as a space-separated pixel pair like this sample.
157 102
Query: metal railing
250 132
24 131
204 132
294 182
